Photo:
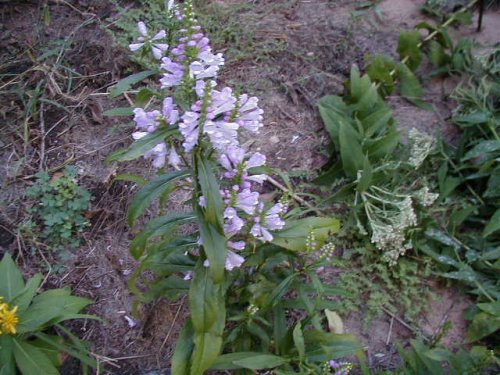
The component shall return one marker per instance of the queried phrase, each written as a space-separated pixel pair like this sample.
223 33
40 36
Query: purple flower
222 102
207 66
266 221
173 158
233 162
174 74
200 87
234 223
189 129
247 201
169 112
222 134
157 48
249 114
233 260
157 153
238 245
148 121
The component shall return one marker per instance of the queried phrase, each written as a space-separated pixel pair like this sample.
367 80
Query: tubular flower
156 47
266 221
8 319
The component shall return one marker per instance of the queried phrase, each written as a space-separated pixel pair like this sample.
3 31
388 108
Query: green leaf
6 353
151 191
141 146
50 307
366 176
183 349
408 48
23 299
31 360
161 226
482 325
322 346
211 192
448 185
120 111
384 146
437 54
480 152
377 121
129 177
298 340
493 225
263 361
144 95
350 151
279 291
208 315
11 279
77 352
248 360
492 308
294 235
214 244
410 87
126 83
472 119
333 111
379 71
493 188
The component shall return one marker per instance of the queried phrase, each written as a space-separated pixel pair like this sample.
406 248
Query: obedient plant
242 264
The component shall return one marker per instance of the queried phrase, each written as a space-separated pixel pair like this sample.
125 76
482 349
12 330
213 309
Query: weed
372 285
60 204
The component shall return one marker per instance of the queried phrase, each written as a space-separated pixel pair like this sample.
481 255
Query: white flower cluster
389 216
422 145
425 197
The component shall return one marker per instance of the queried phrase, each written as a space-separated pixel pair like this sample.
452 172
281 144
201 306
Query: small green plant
421 359
465 239
59 207
31 334
371 285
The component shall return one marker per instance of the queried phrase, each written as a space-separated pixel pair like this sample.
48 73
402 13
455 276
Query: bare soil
321 39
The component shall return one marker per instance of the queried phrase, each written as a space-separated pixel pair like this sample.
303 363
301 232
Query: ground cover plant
400 209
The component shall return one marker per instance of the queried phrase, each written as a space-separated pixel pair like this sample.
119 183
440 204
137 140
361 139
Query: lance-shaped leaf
294 235
208 316
151 191
248 360
210 190
142 145
11 279
161 226
31 360
127 82
183 350
214 244
350 151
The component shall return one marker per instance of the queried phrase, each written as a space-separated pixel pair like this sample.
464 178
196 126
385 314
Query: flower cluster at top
8 318
213 118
